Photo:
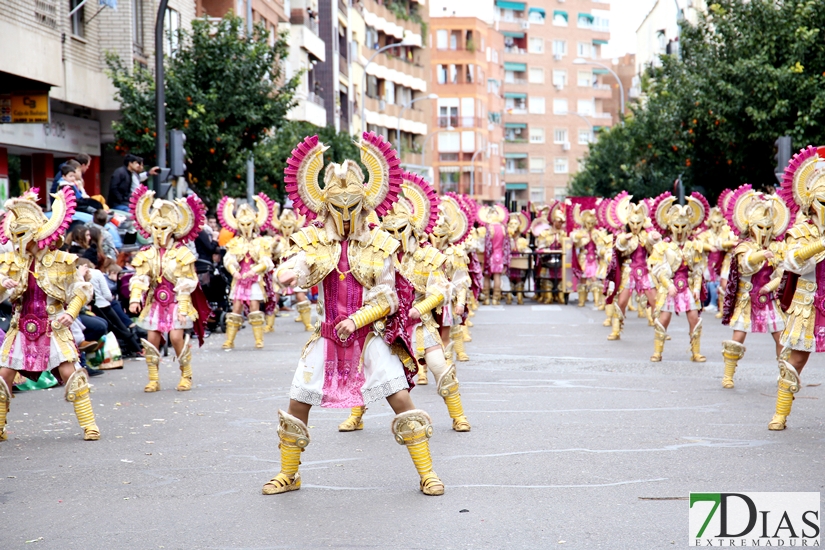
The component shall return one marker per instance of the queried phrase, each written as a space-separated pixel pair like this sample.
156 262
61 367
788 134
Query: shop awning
516 186
586 16
562 13
449 169
513 34
599 41
538 10
515 155
508 5
517 67
515 125
514 95
601 71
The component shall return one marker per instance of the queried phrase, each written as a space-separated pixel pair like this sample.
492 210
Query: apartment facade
54 64
658 33
306 51
555 97
467 71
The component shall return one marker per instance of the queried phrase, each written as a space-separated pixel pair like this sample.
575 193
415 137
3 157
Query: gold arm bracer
756 258
461 297
773 284
429 303
808 251
369 314
185 304
75 306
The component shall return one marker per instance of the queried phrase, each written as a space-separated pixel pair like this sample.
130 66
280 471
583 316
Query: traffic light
782 156
177 154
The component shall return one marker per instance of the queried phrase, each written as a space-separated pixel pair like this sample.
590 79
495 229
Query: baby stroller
215 282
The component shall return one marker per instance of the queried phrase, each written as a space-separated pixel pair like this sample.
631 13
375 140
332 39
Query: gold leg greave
233 324
354 422
305 312
5 404
294 436
422 375
659 336
413 429
608 316
617 322
270 323
457 338
598 297
497 297
786 386
465 331
257 320
582 294
185 363
153 364
732 352
695 344
448 390
77 393
508 298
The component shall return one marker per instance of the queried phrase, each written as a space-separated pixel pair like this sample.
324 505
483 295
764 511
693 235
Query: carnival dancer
418 266
288 224
718 239
47 293
449 236
755 274
519 254
803 190
474 250
634 243
550 248
164 288
677 265
496 249
346 362
590 243
247 259
277 246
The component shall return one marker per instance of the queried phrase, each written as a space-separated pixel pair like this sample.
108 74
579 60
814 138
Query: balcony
307 39
343 65
602 91
515 50
309 109
602 115
315 98
381 11
510 170
461 122
343 6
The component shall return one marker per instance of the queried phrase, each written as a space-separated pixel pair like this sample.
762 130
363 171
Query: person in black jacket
125 179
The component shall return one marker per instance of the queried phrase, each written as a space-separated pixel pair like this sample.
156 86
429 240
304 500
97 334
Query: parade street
576 442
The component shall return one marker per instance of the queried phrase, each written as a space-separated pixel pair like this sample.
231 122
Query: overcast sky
625 18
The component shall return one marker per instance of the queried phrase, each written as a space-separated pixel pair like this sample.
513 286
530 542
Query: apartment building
306 51
55 98
467 71
659 32
555 97
625 69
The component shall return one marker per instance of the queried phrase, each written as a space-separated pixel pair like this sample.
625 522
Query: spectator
94 253
78 240
113 272
83 161
126 179
103 308
206 244
73 178
101 221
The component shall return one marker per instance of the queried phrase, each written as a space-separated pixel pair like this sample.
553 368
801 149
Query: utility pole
160 94
250 162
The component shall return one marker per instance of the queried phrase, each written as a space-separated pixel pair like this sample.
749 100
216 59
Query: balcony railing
515 81
602 115
459 122
601 87
515 171
312 24
515 50
343 5
315 98
343 65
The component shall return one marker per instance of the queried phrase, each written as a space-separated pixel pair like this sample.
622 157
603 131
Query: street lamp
401 112
583 61
404 42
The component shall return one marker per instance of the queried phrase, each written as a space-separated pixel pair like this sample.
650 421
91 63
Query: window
441 37
535 16
453 74
372 87
137 26
454 40
559 106
560 135
584 21
536 135
560 47
78 18
560 18
449 142
583 49
171 30
449 180
495 56
536 105
560 166
537 194
535 45
537 165
389 92
536 75
447 116
469 76
585 107
508 15
441 74
584 136
585 79
559 79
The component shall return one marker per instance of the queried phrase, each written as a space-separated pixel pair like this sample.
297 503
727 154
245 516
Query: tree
750 72
227 92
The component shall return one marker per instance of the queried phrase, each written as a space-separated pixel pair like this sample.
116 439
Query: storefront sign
63 134
24 108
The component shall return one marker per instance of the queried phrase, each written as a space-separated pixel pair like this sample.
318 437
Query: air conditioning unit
382 105
565 146
557 56
558 87
525 25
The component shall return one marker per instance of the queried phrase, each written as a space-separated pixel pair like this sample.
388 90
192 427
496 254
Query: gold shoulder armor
307 237
64 257
184 256
803 230
433 257
7 257
383 242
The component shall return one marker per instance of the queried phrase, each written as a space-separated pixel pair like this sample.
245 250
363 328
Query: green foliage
749 73
225 91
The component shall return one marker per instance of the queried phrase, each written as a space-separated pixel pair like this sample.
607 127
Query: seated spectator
94 252
83 160
73 178
78 240
113 272
101 221
103 308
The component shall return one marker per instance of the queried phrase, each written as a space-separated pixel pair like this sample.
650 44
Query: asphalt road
572 437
